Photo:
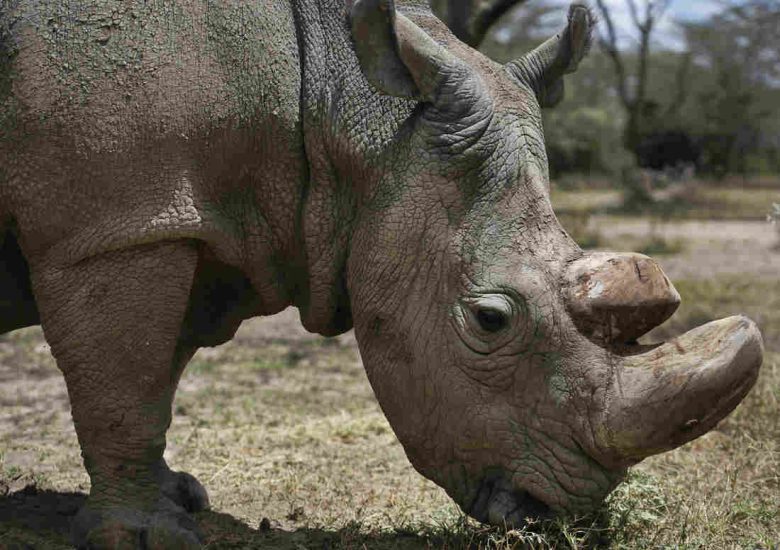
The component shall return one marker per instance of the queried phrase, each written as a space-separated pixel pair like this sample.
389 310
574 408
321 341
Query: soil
709 248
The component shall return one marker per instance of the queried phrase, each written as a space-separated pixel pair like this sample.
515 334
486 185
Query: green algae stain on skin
231 38
8 53
248 41
87 44
387 195
524 445
556 380
234 211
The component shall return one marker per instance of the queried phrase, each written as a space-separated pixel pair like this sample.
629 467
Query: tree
632 85
737 92
521 29
470 20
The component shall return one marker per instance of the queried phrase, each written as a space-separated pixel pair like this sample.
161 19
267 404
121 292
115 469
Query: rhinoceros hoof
168 527
186 491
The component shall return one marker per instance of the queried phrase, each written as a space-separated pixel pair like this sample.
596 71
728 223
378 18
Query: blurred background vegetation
679 94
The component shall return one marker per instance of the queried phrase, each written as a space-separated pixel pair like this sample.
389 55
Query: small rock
265 525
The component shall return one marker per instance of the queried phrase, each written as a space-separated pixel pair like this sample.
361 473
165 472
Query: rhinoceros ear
543 68
398 57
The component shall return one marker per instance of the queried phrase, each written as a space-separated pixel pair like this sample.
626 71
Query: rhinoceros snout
616 298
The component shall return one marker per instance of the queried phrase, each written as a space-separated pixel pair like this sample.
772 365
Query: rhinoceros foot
186 491
166 526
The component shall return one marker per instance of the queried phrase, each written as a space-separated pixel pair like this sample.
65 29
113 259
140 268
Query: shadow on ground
33 519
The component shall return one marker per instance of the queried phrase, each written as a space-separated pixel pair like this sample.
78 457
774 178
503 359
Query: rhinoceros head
504 356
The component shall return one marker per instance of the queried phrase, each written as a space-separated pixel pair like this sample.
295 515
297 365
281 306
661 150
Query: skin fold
169 169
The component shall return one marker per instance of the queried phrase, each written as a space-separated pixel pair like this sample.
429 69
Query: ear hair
543 68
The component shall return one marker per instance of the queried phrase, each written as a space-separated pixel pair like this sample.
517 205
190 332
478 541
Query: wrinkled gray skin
168 169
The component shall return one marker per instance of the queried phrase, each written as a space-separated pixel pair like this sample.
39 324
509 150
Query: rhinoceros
171 168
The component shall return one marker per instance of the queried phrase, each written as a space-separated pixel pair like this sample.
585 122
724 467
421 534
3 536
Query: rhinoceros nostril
515 509
498 503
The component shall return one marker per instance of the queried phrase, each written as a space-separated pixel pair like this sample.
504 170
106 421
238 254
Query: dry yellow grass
284 431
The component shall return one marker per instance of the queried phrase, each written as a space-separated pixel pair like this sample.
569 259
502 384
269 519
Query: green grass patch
660 246
704 200
588 200
578 225
199 367
726 203
263 364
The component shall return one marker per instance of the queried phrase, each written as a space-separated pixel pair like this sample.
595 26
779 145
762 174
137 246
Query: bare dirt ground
283 430
709 248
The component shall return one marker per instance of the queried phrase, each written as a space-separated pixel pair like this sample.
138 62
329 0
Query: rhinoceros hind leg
113 323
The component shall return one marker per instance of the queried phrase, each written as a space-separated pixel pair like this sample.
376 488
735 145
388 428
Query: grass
285 433
580 226
709 299
657 245
731 200
732 203
583 200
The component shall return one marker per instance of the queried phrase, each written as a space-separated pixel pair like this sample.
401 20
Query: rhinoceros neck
348 127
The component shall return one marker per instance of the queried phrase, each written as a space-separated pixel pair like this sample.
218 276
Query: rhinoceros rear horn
543 68
399 58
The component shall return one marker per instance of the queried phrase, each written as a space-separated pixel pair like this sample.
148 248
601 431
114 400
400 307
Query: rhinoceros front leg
113 323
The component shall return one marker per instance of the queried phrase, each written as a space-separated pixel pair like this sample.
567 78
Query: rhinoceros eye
491 320
490 313
486 322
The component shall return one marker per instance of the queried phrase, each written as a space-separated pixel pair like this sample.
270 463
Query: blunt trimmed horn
674 393
618 297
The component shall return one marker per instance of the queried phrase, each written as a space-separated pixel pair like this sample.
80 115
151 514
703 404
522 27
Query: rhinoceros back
132 121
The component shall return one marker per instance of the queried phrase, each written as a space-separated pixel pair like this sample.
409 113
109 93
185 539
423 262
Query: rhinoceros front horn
659 396
616 298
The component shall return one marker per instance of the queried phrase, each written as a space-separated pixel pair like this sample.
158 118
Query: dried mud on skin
283 430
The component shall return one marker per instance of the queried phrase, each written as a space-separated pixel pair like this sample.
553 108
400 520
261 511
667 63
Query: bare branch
634 11
609 44
663 6
647 24
470 20
681 85
644 18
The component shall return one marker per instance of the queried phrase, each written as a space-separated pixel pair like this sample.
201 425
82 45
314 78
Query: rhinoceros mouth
496 502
